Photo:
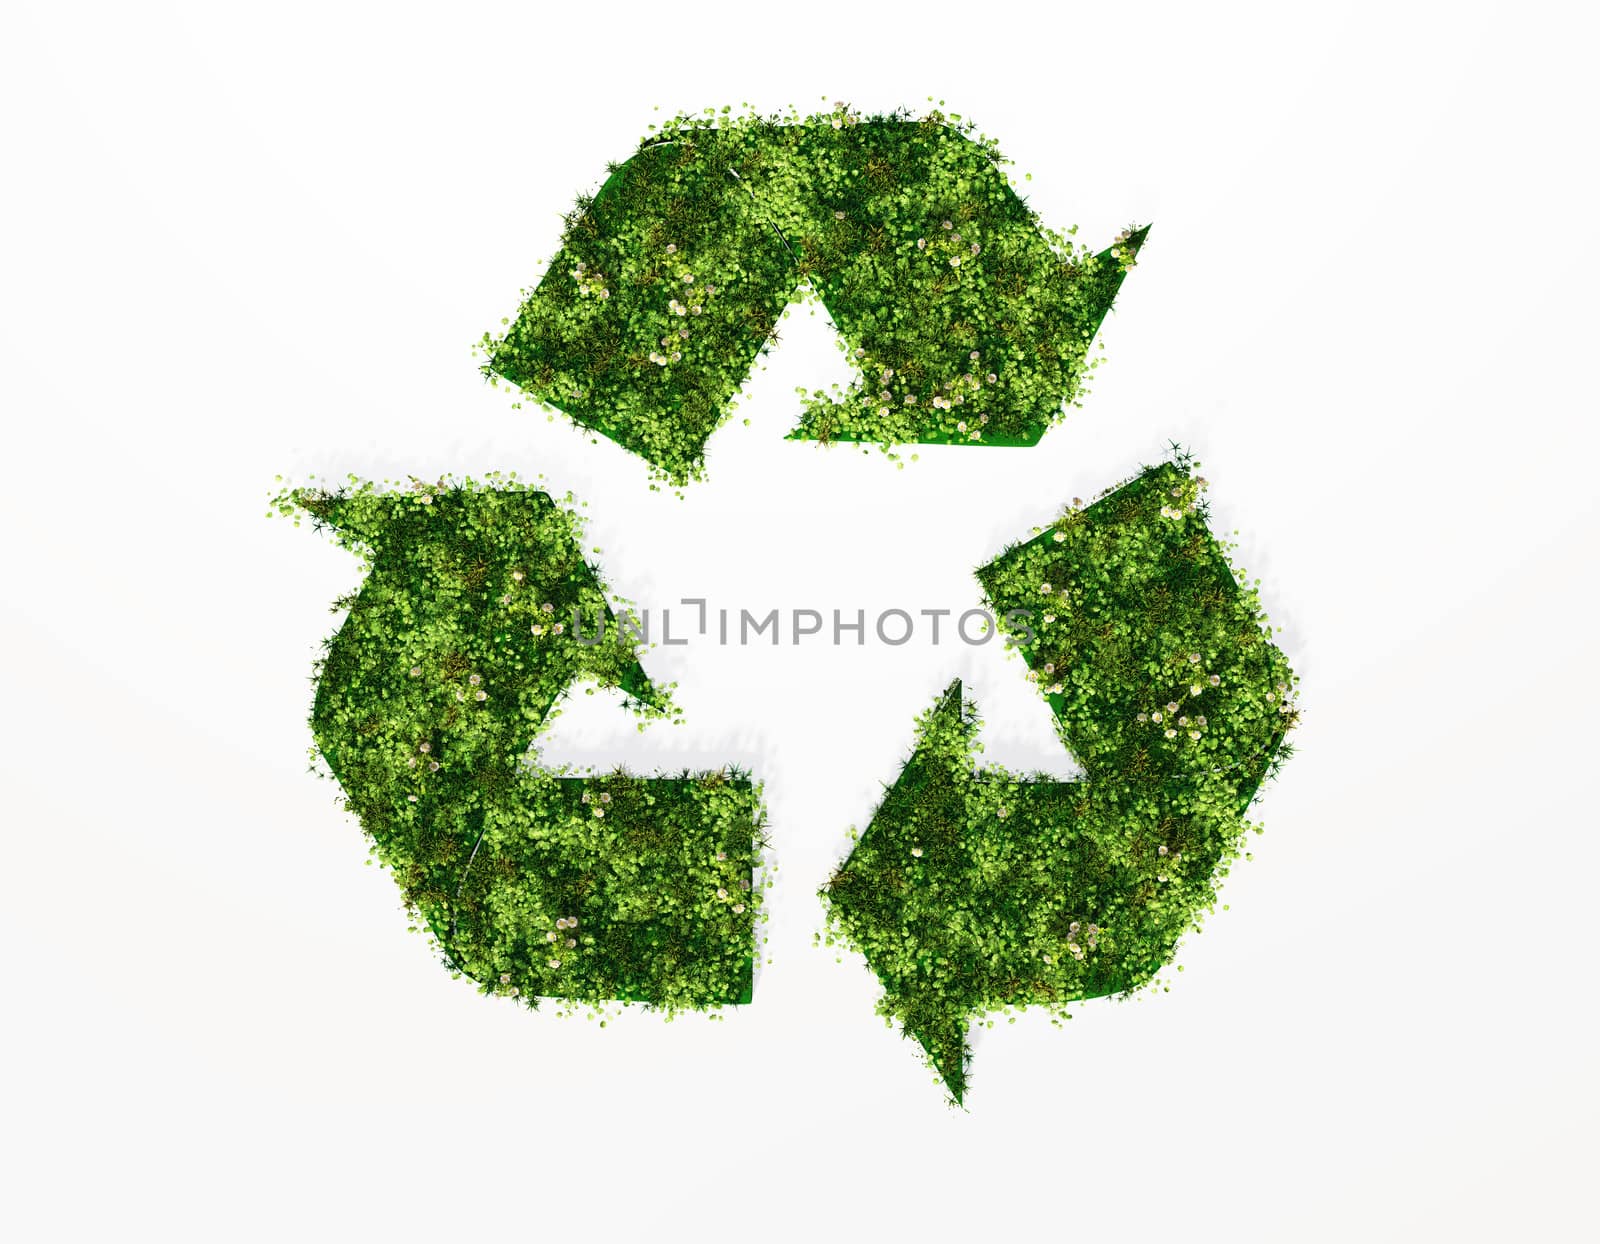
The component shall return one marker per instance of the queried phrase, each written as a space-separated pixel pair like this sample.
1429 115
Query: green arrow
456 649
967 320
974 890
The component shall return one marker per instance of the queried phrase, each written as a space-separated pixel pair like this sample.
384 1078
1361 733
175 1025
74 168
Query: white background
243 243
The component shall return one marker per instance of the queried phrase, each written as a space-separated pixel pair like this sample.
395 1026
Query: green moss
966 319
455 651
978 890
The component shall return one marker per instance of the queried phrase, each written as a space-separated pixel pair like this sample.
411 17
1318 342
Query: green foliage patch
456 650
974 891
967 320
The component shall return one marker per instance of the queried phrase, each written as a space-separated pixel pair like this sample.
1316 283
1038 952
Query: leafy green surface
967 320
456 649
976 890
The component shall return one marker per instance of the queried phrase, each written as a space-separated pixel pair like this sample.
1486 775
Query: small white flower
1155 717
721 893
1172 708
738 909
416 671
1171 733
1215 680
555 963
482 695
916 852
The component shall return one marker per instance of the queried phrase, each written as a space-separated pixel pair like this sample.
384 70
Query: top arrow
967 320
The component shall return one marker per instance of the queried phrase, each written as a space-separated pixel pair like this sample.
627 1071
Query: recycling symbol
972 890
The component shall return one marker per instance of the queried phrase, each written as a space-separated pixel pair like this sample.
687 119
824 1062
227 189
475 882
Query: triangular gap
809 353
592 727
1018 730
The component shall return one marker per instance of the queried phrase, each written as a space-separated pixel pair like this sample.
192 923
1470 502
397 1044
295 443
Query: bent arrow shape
456 649
974 890
968 321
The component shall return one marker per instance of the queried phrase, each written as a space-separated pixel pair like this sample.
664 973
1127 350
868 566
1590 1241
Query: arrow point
947 1050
